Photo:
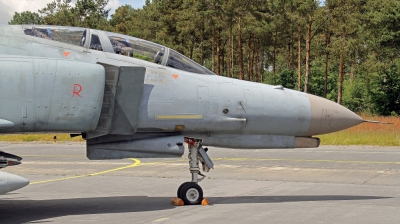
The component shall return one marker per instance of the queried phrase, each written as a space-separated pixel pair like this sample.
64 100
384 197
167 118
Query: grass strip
39 138
367 133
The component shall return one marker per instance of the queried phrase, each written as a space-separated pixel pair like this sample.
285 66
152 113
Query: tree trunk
299 57
290 51
262 66
232 59
248 58
213 51
328 41
253 54
353 67
308 52
218 52
240 51
341 72
230 67
341 75
202 45
192 48
223 62
257 61
274 53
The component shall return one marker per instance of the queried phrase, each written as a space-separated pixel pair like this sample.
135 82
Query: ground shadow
22 211
288 198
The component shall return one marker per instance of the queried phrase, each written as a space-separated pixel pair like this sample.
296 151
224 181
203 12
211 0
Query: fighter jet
133 98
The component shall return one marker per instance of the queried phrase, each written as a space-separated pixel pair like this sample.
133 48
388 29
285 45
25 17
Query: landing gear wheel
191 193
178 193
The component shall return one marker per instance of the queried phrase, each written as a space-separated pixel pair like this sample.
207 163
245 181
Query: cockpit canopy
121 44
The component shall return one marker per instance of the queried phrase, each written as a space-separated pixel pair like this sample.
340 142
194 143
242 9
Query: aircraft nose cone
328 116
11 182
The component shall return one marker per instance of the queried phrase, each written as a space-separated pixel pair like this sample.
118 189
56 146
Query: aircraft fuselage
133 98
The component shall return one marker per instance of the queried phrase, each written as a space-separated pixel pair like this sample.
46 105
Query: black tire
191 194
178 193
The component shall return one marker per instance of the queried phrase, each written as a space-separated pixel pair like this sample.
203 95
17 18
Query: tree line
343 50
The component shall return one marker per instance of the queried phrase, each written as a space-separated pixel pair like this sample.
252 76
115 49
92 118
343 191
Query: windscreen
181 62
136 48
152 52
69 35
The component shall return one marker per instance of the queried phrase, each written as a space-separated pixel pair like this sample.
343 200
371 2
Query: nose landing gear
190 192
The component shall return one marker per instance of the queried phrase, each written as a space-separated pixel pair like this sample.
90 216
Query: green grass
349 137
39 138
367 133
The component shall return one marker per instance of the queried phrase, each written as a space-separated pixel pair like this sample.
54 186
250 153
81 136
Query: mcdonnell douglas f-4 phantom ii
133 98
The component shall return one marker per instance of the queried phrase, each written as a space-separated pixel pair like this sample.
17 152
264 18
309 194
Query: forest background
344 50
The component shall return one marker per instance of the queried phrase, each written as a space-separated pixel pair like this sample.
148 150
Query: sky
9 7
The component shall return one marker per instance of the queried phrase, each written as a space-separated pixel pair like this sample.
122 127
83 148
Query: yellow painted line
276 159
179 116
136 163
161 219
307 160
164 162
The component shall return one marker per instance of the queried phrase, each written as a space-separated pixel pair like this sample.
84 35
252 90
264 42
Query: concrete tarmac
329 184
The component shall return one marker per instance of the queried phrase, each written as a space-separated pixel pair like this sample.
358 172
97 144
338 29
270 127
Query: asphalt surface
325 185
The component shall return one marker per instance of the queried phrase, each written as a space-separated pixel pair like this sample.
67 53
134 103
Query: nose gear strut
190 192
